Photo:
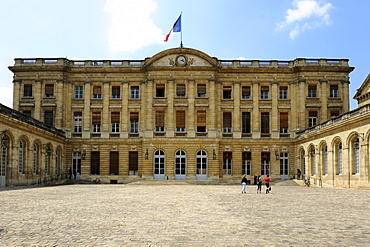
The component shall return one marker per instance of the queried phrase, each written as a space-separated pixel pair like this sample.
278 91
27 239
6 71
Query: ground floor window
95 163
265 163
114 163
159 162
247 163
133 161
201 162
227 163
76 162
284 164
180 162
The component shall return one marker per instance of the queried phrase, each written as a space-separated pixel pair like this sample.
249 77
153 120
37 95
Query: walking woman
244 184
259 184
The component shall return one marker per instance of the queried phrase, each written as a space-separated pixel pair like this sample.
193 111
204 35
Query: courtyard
181 214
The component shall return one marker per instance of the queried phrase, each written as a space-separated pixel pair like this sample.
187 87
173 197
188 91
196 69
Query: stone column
191 115
301 95
38 95
274 111
125 114
324 100
256 131
170 116
60 100
212 108
17 95
345 95
105 115
236 117
293 113
87 112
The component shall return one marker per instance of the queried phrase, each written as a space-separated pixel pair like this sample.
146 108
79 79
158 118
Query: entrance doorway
180 165
159 165
202 165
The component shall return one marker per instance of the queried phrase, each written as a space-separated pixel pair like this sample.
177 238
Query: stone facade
182 114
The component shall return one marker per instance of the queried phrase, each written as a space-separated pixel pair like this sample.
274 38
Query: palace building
183 115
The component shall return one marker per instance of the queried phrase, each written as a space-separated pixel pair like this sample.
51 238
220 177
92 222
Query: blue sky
233 29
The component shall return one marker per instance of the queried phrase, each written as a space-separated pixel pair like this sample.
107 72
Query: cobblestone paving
183 215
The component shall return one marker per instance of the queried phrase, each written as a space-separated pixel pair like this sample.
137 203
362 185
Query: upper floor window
97 92
180 121
246 122
333 91
246 92
201 90
27 113
49 90
115 120
356 156
27 92
78 92
312 91
77 122
160 91
312 118
265 122
180 90
227 122
284 122
49 118
201 121
96 121
21 157
265 92
135 92
159 121
334 114
283 93
134 122
116 92
226 92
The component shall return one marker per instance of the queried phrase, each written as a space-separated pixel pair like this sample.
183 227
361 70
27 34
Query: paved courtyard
183 215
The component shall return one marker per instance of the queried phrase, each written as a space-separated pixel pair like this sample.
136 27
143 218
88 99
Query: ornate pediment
180 57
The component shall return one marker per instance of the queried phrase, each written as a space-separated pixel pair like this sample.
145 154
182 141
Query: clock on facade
181 60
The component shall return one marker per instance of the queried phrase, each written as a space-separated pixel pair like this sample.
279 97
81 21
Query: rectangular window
284 164
95 163
96 121
49 118
265 92
114 163
49 90
283 93
312 91
284 122
133 163
78 92
27 92
115 120
160 91
246 92
116 92
265 122
134 122
180 90
135 92
201 121
227 163
27 113
226 92
247 163
333 91
312 118
180 121
265 163
227 124
159 121
201 90
77 122
97 92
246 122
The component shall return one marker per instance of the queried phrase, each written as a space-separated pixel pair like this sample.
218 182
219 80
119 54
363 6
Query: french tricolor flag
176 28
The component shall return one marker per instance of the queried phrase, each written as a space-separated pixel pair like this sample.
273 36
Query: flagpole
181 31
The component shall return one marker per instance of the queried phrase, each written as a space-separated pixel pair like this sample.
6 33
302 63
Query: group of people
258 182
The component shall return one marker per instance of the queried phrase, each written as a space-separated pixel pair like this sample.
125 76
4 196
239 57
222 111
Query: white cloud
308 14
131 26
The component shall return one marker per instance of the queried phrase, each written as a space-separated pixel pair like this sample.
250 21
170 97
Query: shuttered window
133 161
180 119
159 119
283 122
96 119
246 122
265 92
180 90
227 119
115 117
95 163
116 92
312 91
160 90
265 122
114 163
201 118
201 90
246 92
97 92
49 90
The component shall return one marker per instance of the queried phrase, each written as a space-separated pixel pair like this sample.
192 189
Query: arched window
202 162
21 157
356 156
4 148
35 159
180 163
339 158
159 164
326 165
313 161
57 162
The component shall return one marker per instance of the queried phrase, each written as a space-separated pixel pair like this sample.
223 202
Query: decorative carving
228 148
247 149
133 148
171 61
265 149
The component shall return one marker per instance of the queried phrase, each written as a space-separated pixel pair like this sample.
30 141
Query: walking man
267 182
